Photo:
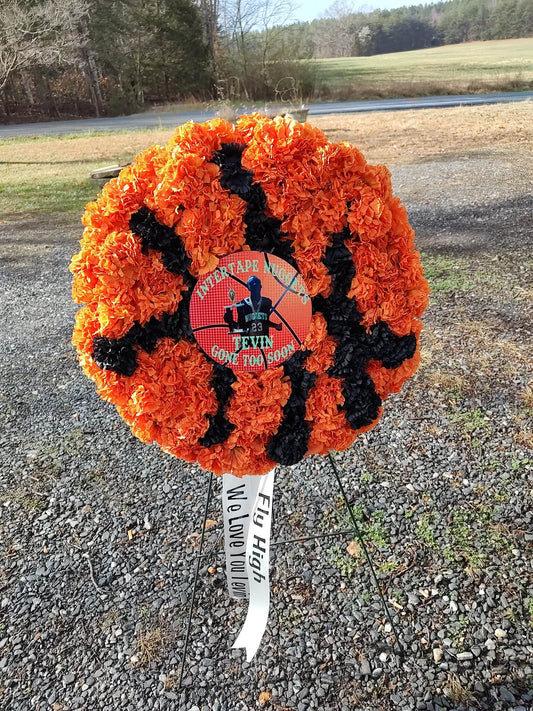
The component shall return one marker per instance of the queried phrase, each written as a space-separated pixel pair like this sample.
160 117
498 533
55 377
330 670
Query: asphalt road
158 120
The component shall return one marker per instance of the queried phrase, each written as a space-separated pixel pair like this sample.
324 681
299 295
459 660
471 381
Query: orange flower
321 345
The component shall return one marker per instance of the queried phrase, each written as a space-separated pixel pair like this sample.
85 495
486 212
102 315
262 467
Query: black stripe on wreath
263 233
290 443
120 354
220 427
154 235
356 346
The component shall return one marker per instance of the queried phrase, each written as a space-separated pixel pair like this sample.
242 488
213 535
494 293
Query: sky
311 9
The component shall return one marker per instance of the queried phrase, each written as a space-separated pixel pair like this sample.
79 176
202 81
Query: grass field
51 175
468 68
460 68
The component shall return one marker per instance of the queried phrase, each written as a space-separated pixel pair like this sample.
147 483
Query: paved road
154 120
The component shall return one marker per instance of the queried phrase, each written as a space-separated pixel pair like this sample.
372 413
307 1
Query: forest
68 58
344 33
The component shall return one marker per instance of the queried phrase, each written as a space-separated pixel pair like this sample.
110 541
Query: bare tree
87 61
251 28
339 9
209 13
273 14
41 35
334 35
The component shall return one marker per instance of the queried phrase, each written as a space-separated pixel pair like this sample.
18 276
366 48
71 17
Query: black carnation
391 349
220 427
113 354
218 431
289 444
233 176
154 235
361 402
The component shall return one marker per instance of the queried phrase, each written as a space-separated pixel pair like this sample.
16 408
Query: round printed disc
250 313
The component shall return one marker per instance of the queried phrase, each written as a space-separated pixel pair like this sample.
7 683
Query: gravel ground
99 532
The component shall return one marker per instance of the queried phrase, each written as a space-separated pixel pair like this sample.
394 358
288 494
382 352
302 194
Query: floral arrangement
273 186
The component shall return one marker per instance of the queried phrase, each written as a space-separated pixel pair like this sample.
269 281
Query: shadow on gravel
475 229
27 245
28 236
40 225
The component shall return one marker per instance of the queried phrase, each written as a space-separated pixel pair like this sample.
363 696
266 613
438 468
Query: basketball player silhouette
253 312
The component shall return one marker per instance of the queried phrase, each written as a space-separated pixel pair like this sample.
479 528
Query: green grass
459 631
389 567
371 527
521 465
469 535
51 197
474 536
31 502
366 477
473 66
446 275
425 530
372 531
471 421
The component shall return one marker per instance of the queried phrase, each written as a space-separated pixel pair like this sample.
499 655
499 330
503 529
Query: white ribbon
247 506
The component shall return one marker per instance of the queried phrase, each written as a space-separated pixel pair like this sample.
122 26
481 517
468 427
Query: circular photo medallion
250 313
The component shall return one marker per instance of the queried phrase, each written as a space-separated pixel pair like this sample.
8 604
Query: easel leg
195 584
396 642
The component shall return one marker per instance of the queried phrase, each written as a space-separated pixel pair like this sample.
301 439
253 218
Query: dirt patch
405 137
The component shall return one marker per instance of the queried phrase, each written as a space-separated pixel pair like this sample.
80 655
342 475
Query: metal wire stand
395 644
195 583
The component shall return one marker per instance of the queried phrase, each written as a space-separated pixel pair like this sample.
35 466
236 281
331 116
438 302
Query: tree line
345 32
61 58
90 57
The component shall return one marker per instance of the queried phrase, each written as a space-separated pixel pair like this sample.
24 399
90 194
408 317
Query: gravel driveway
98 532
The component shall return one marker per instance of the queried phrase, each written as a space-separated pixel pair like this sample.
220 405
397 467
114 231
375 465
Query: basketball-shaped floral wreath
252 294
